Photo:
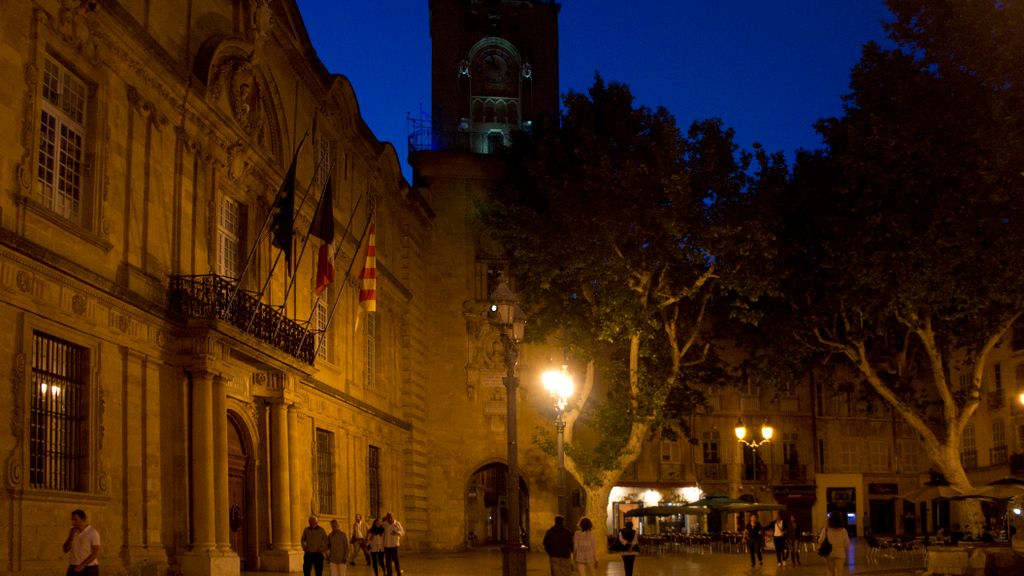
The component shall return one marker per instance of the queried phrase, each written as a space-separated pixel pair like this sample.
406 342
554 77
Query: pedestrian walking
629 542
558 545
779 538
375 545
754 539
793 540
584 548
337 542
358 541
836 535
314 547
393 532
83 543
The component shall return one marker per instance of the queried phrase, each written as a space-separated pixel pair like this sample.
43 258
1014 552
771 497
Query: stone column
220 461
281 492
203 477
133 550
283 556
300 511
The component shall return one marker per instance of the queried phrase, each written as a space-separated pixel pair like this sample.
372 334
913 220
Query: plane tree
623 229
900 241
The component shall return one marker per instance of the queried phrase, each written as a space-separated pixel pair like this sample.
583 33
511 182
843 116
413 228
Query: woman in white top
839 538
375 545
584 548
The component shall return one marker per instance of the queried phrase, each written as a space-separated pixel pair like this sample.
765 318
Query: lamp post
766 434
509 320
559 385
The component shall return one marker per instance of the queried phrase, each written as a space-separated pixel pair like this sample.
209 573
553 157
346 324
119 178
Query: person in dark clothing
754 538
629 542
558 545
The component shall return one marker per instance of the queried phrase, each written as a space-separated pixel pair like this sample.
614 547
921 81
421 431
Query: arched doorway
487 506
238 493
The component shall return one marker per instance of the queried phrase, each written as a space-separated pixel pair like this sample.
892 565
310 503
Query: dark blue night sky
768 69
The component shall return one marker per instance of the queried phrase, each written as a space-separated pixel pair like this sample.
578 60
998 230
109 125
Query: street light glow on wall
766 434
559 385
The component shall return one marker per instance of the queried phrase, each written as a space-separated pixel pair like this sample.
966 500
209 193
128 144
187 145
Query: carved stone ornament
262 21
78 304
23 281
247 101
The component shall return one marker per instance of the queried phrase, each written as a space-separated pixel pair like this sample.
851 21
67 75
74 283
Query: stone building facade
197 419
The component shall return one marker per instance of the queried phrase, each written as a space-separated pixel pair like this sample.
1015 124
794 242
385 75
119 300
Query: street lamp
559 385
510 321
766 434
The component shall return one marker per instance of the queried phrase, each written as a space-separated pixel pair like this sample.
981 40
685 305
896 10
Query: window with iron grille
61 161
325 471
58 432
373 475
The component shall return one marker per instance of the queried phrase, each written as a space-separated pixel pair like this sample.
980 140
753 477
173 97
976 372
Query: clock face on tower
494 72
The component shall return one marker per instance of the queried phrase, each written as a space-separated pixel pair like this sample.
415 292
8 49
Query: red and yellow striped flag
368 292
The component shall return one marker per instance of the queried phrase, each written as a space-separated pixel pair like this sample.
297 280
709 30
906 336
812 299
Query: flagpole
277 258
261 235
312 309
355 255
302 251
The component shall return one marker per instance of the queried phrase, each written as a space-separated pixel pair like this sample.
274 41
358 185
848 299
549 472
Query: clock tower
495 72
495 69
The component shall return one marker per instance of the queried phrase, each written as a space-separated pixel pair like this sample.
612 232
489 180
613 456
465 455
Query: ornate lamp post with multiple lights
508 318
559 385
766 434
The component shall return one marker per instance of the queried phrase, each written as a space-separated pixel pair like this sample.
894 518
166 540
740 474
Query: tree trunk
597 511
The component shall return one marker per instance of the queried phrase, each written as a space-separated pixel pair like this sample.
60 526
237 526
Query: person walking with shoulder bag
832 544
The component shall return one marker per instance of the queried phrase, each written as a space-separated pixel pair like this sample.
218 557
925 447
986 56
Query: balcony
428 139
969 459
1017 465
712 472
997 456
209 297
996 400
754 473
796 473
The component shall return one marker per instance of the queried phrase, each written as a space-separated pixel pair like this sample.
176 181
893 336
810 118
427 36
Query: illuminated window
60 164
58 436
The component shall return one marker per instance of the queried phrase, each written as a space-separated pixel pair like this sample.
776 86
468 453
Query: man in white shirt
84 545
393 533
358 541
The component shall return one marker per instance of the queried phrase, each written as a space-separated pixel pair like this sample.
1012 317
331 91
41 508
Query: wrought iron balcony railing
427 139
996 400
213 297
969 459
793 473
998 456
712 471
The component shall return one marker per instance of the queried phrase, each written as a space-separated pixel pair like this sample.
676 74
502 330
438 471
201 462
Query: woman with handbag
832 544
584 548
629 544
